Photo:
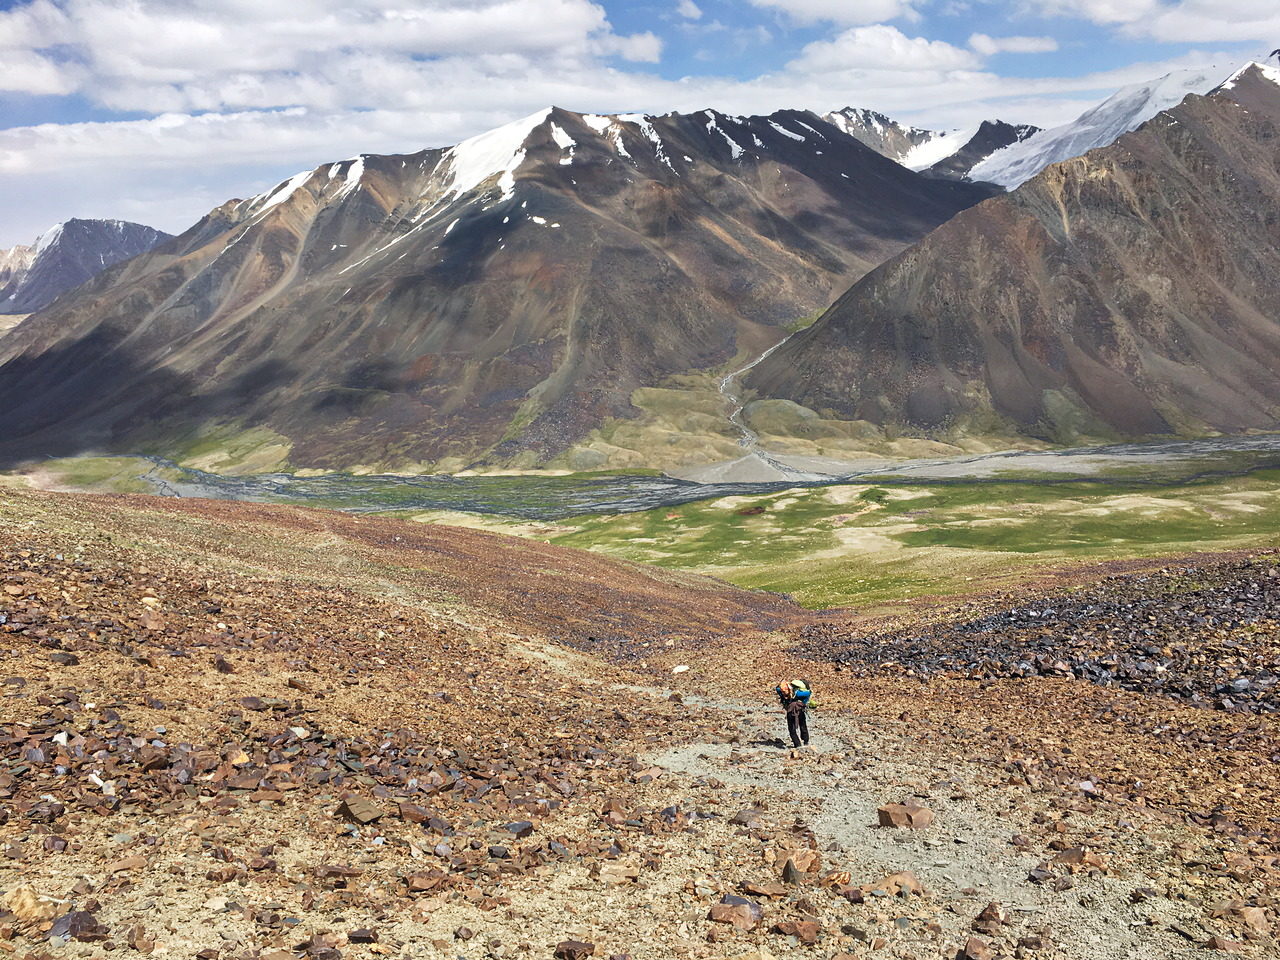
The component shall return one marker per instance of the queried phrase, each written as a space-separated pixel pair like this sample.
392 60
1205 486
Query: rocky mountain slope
258 733
496 299
1130 292
1124 110
947 153
64 257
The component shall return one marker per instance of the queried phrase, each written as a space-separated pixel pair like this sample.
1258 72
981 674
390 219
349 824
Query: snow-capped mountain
945 153
885 136
1098 126
497 299
1130 292
65 256
990 136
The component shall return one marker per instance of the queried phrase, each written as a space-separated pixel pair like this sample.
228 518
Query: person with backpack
794 695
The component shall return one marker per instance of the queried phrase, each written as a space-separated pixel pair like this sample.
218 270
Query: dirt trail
966 859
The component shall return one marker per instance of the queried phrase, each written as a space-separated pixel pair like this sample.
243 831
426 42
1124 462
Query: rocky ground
230 731
1205 634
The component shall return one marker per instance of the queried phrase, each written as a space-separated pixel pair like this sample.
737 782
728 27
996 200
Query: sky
160 110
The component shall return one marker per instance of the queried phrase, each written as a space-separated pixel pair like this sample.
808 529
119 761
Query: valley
887 532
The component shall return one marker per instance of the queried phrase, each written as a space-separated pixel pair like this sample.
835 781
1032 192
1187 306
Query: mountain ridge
498 298
1126 293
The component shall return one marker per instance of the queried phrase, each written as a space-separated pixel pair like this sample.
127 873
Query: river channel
553 498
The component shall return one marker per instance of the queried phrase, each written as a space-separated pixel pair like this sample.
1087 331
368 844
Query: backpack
802 691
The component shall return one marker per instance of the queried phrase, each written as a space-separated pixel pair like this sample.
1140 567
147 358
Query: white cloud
845 12
227 54
987 45
1098 11
638 47
24 71
882 47
689 10
1210 21
235 95
1179 21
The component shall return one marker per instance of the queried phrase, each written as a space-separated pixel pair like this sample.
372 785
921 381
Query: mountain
991 135
947 153
1131 292
493 300
885 136
1098 126
65 256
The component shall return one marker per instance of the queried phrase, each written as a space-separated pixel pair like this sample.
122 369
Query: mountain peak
65 256
1253 67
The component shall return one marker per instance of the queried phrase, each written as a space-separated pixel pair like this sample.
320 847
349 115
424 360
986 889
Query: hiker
794 696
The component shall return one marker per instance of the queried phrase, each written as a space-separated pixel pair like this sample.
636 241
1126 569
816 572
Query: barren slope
1126 293
237 732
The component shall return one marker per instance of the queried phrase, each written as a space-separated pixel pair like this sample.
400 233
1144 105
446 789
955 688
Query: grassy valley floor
869 544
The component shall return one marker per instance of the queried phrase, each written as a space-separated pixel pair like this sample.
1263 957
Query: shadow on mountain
96 395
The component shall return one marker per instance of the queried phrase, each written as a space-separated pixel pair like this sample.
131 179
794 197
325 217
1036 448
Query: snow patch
354 174
937 147
647 128
493 154
735 150
564 142
284 191
47 239
1125 110
787 133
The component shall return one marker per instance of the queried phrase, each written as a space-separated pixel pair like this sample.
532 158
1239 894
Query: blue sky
159 110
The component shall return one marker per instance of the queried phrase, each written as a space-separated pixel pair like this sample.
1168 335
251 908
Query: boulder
909 815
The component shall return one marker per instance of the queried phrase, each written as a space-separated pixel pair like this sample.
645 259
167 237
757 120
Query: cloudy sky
158 110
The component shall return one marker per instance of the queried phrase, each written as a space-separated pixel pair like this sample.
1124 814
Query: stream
748 438
556 497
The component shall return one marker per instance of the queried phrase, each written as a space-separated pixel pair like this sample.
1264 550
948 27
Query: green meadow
872 544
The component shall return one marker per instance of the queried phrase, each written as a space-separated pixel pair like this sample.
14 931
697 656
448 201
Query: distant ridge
65 256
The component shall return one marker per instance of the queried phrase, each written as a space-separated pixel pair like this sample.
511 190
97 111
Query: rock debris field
260 733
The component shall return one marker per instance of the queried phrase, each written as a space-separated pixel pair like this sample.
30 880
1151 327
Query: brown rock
901 884
414 813
615 871
741 913
422 882
359 810
136 937
769 889
904 815
127 864
28 906
806 931
574 950
974 949
1225 945
1081 858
